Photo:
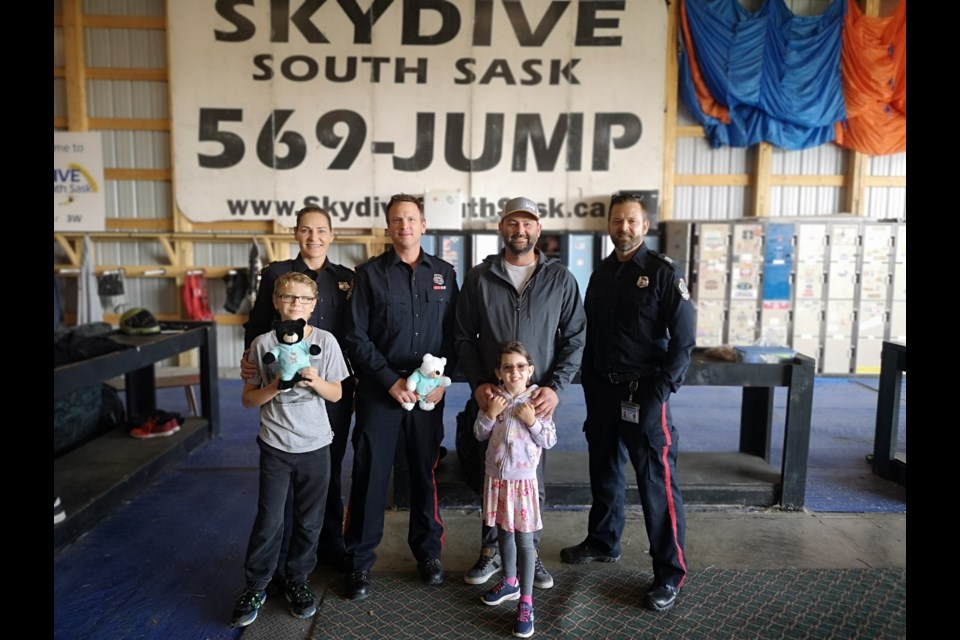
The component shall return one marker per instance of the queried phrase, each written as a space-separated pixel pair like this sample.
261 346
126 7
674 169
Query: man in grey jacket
518 294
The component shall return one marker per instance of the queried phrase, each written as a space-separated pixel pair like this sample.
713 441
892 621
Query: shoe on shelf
661 598
358 584
541 577
431 571
583 553
523 627
501 592
59 515
486 566
156 427
303 603
247 606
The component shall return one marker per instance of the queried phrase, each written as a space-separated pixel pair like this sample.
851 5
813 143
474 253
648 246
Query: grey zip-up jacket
547 318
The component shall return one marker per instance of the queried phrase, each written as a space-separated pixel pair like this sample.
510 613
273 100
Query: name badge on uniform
630 412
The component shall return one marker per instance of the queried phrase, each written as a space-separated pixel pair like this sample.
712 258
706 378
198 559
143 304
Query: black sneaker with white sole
486 566
248 604
303 603
541 577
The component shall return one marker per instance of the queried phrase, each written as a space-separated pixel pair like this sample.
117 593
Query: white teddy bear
425 379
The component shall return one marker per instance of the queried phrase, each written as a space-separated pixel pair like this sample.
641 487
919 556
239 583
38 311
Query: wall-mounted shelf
177 249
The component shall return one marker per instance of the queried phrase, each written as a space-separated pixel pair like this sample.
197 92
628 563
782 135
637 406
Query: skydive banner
281 103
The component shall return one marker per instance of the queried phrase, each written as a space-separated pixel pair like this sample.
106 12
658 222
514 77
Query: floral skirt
512 504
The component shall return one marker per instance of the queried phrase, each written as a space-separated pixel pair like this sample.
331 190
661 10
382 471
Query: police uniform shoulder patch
682 287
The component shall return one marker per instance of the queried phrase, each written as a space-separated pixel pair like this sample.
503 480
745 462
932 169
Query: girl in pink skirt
510 500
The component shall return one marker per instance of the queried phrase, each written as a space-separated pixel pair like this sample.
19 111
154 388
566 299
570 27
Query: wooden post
761 181
670 114
74 66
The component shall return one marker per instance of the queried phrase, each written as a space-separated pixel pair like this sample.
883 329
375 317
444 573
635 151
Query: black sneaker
541 577
486 566
248 604
303 603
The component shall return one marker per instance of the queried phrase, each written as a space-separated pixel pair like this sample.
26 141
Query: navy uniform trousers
651 446
341 415
383 425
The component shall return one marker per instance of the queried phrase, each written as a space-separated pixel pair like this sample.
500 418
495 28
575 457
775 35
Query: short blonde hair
287 280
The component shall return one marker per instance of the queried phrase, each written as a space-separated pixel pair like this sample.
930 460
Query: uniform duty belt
620 378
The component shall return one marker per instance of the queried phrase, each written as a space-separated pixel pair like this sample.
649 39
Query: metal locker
809 347
807 316
877 242
842 280
809 280
775 323
742 329
746 263
898 321
871 329
710 263
809 285
868 356
838 337
900 281
710 323
844 242
874 281
872 319
811 242
836 355
839 318
676 240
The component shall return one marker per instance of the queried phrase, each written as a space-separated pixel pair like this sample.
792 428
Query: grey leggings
512 545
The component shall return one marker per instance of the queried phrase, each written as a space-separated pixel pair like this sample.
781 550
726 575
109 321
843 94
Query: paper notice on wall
78 202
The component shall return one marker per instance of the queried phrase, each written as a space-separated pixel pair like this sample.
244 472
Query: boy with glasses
294 441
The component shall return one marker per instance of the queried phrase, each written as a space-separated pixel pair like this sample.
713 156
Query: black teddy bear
292 353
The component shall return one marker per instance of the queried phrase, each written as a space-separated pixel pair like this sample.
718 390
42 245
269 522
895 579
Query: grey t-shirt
296 421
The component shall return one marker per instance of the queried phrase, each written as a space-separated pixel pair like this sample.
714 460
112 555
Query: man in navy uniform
401 308
641 329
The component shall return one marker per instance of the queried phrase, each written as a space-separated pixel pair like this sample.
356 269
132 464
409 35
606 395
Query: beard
625 243
513 244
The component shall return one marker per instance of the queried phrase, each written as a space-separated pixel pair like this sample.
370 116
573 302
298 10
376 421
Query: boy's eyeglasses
289 297
520 368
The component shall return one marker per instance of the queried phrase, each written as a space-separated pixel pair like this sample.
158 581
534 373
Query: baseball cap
526 205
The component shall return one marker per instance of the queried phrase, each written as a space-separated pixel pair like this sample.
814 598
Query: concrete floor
740 539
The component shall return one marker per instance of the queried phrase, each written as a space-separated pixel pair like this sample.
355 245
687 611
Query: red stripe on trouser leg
668 487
